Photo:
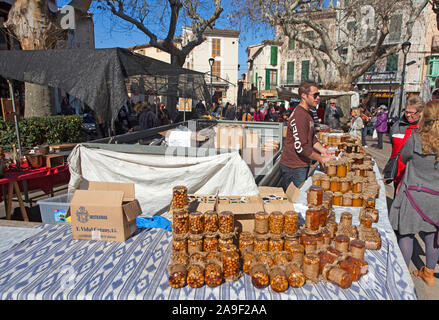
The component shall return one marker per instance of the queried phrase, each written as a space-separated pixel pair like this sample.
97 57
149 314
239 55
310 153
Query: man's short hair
305 87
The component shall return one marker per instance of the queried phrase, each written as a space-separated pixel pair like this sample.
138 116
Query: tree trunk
39 101
36 28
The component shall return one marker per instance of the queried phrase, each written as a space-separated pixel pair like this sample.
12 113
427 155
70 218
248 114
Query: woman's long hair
429 129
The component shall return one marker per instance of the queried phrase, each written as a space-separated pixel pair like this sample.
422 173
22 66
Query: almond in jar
291 223
278 279
296 278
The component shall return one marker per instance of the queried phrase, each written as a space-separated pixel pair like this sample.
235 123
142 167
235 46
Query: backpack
246 117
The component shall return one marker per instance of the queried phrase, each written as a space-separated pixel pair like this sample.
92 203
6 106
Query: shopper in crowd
258 115
366 117
164 116
321 113
435 93
239 113
147 118
301 144
408 123
230 112
381 124
333 114
414 209
247 116
356 124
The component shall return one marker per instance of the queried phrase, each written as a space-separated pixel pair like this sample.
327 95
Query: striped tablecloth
51 265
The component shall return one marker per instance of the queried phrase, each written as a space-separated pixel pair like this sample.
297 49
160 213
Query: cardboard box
105 212
275 199
54 160
244 209
202 202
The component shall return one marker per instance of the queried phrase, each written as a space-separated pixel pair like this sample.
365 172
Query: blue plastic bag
153 222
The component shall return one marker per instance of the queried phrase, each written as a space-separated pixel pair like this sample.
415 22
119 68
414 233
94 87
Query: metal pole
14 108
402 85
211 87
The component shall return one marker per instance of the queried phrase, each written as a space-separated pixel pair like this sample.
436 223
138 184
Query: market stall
138 267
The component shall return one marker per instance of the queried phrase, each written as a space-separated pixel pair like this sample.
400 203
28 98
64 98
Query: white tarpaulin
155 176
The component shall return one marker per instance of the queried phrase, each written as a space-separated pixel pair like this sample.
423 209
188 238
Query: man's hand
326 158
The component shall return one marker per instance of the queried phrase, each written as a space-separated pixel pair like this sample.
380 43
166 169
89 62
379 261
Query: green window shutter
392 63
273 61
267 79
256 81
305 70
291 44
434 68
290 72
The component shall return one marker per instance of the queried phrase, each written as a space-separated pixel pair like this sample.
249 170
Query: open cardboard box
202 202
107 211
275 199
243 208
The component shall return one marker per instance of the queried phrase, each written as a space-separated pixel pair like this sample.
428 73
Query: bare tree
38 28
140 12
364 30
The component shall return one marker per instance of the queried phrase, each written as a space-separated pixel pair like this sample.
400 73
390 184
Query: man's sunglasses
315 95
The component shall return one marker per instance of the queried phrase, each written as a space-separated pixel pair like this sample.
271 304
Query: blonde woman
356 125
414 209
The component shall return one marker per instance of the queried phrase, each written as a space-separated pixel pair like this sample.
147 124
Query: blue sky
111 32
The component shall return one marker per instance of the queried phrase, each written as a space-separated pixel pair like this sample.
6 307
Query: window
216 48
216 70
395 28
273 56
290 72
270 79
291 44
305 70
392 63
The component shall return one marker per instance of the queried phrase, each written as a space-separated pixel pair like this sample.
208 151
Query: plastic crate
54 209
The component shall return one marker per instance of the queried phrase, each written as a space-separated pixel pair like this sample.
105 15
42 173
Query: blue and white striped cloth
50 265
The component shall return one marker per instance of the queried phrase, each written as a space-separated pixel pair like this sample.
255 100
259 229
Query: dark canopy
99 77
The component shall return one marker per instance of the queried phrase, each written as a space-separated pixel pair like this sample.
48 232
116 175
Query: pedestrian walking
356 124
381 124
414 210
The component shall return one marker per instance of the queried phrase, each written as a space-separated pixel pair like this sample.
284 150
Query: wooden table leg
20 200
9 203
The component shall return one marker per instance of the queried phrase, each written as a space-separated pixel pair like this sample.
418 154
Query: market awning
99 77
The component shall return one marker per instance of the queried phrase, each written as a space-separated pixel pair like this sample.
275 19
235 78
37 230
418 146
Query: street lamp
211 62
405 49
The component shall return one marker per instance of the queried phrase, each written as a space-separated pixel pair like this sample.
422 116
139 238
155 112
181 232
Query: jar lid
315 188
277 213
342 238
358 243
226 213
